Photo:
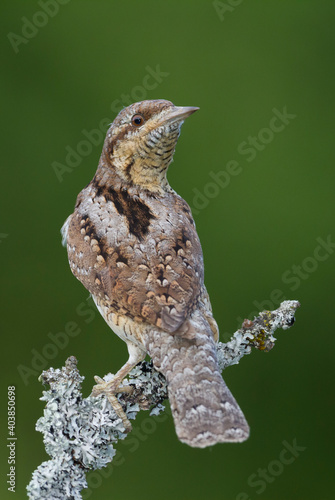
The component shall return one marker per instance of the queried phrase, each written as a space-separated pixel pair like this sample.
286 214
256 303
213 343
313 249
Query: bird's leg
112 387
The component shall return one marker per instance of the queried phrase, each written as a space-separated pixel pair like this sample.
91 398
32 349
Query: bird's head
140 143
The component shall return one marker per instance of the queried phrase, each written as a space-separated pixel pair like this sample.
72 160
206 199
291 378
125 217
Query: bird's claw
111 388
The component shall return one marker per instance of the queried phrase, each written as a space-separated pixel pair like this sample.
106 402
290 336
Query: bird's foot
113 386
109 389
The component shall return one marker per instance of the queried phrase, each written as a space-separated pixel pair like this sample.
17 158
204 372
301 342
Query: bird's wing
157 278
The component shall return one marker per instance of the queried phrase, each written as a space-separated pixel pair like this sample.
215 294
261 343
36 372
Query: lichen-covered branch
257 333
80 433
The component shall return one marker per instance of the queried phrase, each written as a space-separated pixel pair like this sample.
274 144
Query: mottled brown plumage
132 242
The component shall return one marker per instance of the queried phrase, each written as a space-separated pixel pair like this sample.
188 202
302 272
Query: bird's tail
204 410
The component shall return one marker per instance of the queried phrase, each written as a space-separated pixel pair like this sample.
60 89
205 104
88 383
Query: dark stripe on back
137 213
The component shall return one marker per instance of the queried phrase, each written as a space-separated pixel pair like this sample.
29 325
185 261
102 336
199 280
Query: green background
263 55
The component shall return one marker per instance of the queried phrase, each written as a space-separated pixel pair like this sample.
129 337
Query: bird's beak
178 113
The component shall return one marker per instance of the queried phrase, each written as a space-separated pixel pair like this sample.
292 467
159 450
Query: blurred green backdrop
264 225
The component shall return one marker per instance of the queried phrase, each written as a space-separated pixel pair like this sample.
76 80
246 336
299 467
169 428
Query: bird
132 242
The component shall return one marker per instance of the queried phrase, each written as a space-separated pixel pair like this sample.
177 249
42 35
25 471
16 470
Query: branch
79 434
257 333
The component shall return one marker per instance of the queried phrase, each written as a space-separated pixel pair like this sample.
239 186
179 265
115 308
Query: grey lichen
257 333
79 433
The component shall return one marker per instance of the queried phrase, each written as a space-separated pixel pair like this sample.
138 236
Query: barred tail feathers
204 410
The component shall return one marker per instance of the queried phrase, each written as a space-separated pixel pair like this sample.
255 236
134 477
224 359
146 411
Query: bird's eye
137 120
